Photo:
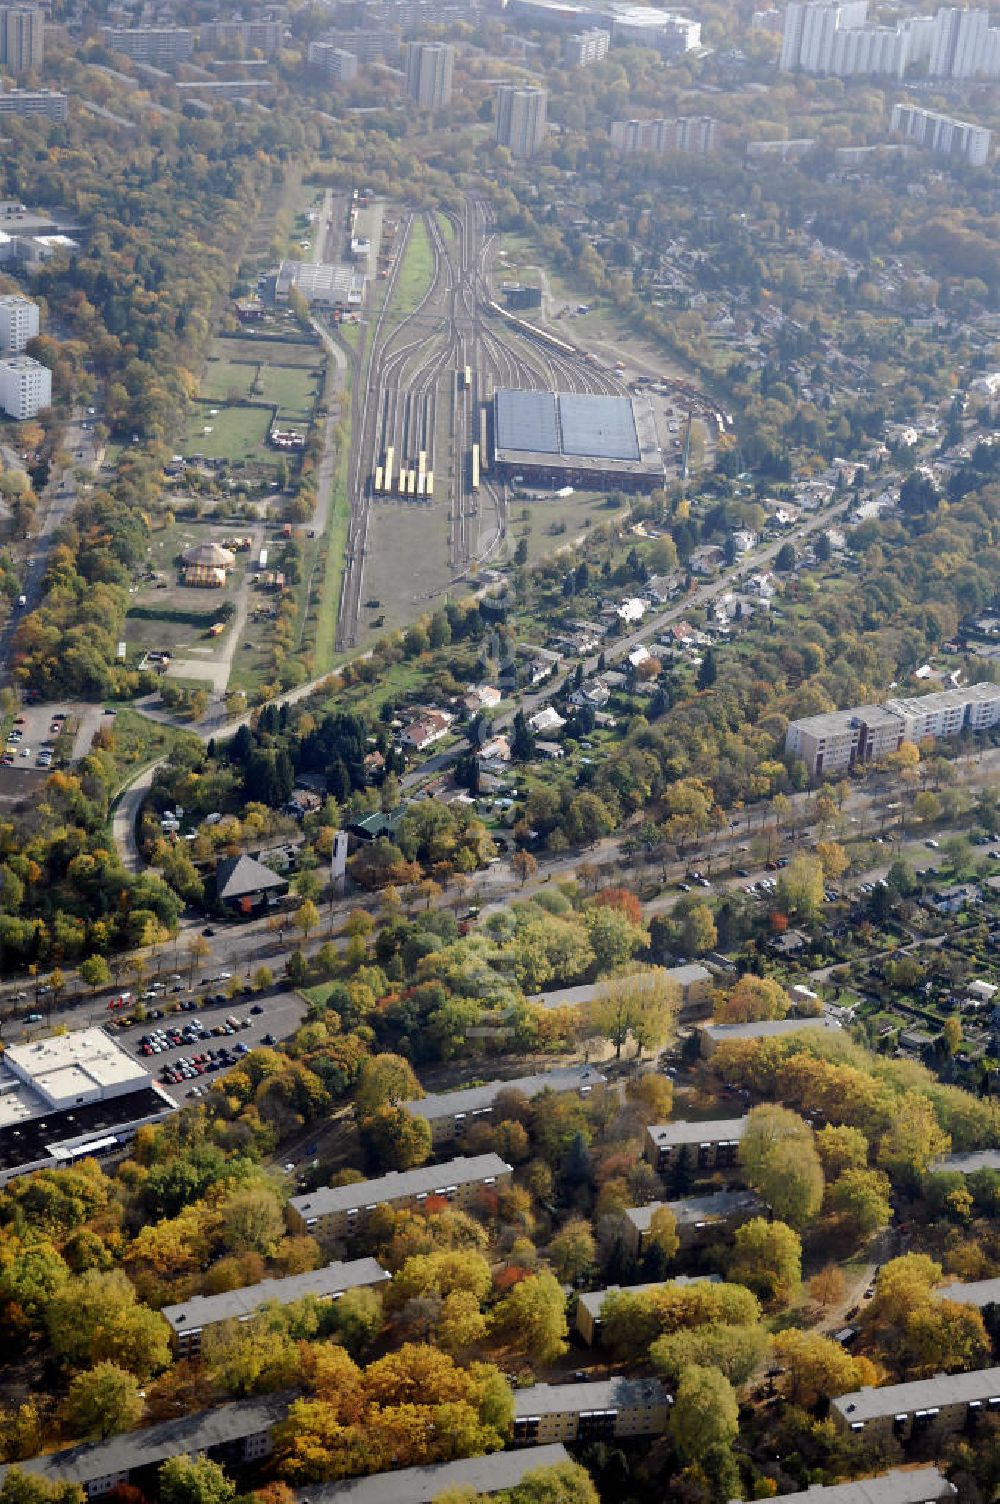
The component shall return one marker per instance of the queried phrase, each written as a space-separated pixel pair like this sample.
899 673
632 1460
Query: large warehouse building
566 438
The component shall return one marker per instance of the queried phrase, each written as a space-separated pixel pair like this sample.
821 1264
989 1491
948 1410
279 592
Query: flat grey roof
421 1485
920 1394
153 1444
573 1399
696 1209
427 1180
527 420
601 426
973 1292
768 1028
945 699
967 1164
912 1485
331 1280
473 1099
712 1131
593 1300
575 997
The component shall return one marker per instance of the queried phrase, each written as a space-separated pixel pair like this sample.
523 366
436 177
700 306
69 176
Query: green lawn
236 434
417 270
293 389
139 741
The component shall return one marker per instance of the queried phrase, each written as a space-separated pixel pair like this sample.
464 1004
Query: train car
484 453
468 378
378 480
475 467
421 482
389 461
422 462
402 481
411 483
429 487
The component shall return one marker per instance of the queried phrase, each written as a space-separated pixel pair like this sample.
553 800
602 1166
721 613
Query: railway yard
427 506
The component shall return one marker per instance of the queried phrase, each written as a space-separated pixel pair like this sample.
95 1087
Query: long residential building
252 36
840 739
22 37
712 1145
48 102
688 135
712 1035
927 1410
599 1411
150 44
961 140
911 1485
450 1114
586 47
231 1434
491 1474
337 1212
337 63
964 44
973 1292
192 1318
698 1218
694 982
590 1305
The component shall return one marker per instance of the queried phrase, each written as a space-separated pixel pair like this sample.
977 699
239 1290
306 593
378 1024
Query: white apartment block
334 1213
964 44
253 36
835 37
337 63
976 708
521 119
48 102
837 741
429 69
810 27
18 323
25 386
150 44
22 37
586 47
692 135
960 140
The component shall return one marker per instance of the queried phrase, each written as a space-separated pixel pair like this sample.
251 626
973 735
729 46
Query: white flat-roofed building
961 140
925 1409
521 119
22 37
191 1318
967 1164
949 713
692 135
429 70
911 1485
338 64
697 1217
25 386
590 1305
47 102
18 322
586 47
715 1144
323 284
599 1411
840 739
450 1114
336 1212
72 1069
150 44
36 250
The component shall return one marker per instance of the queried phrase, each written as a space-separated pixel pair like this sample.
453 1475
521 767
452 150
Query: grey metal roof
474 1099
527 420
974 1292
575 1399
712 1131
427 1180
967 1164
238 876
912 1485
768 1028
421 1485
920 1394
695 1209
331 1280
600 426
593 1300
172 1438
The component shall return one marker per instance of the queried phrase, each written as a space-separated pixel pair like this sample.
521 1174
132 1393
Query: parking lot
31 741
267 1016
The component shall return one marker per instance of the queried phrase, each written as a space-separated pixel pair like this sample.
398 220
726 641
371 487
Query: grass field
415 275
236 434
293 390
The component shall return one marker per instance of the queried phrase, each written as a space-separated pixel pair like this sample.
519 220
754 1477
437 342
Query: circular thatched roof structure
209 556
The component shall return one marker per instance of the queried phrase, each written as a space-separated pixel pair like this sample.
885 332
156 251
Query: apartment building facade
22 37
429 70
926 1410
691 135
18 323
521 119
251 36
336 1213
839 740
48 102
25 387
159 45
698 1218
584 48
600 1411
451 1114
337 63
192 1318
960 140
712 1145
590 1305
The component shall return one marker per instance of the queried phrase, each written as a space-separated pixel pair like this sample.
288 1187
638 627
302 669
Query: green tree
194 1480
801 887
736 1351
767 1258
532 1318
913 1139
252 1221
102 1401
573 1250
864 1199
698 933
385 1080
95 972
705 1413
781 1163
395 1140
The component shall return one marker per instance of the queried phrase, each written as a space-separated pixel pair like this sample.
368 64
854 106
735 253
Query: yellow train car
429 487
389 463
378 480
475 467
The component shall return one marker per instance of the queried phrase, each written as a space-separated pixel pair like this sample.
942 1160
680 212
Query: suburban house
429 727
